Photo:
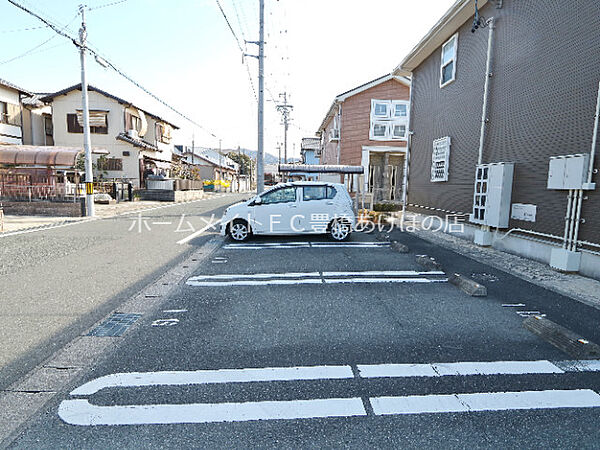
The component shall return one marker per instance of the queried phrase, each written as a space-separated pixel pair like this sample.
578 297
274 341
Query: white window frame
451 60
389 120
440 156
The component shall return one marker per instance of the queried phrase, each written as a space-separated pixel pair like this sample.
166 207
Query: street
303 342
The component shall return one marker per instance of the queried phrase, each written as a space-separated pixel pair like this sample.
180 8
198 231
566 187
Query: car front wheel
239 230
339 230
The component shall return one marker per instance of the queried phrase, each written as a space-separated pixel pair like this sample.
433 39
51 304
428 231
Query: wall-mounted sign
521 211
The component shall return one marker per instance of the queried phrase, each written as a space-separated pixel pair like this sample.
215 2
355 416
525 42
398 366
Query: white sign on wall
521 211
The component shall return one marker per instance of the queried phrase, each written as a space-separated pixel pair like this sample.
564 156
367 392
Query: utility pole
260 161
285 109
89 176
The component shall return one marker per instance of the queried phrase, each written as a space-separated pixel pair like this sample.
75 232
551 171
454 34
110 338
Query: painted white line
485 401
165 322
199 232
254 282
138 379
234 276
513 305
592 365
174 311
50 227
219 261
383 280
81 412
458 368
393 273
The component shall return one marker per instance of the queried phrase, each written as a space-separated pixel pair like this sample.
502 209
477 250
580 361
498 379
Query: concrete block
483 238
428 262
467 285
565 260
399 247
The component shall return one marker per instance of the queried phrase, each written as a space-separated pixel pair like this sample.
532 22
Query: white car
300 207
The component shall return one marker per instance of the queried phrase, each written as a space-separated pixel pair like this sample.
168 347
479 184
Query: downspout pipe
594 138
408 147
486 88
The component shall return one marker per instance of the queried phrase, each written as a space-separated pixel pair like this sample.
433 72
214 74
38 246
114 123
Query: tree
246 163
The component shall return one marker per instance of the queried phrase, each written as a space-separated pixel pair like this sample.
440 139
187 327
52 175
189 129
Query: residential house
211 163
139 142
310 152
368 126
11 117
503 115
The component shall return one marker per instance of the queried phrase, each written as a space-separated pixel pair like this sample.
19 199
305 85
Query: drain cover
115 325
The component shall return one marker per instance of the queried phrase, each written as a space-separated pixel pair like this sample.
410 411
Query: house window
98 122
163 133
389 120
132 122
448 63
440 159
110 164
3 112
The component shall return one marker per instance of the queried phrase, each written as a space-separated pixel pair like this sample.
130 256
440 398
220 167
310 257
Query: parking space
288 342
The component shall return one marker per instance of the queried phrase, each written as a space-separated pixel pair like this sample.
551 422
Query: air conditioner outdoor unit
133 134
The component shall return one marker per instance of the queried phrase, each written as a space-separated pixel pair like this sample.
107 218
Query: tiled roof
12 86
137 142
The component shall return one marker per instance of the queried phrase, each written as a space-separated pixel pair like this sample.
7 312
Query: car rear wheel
339 230
239 230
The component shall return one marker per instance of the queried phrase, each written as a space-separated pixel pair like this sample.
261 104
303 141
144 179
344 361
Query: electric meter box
493 192
568 172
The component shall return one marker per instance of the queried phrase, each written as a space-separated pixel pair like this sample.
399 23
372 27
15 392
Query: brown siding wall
356 119
542 104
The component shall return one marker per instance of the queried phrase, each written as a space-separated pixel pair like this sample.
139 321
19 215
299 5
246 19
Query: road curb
428 262
467 285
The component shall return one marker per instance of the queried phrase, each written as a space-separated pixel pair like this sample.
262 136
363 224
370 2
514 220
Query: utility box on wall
568 172
493 192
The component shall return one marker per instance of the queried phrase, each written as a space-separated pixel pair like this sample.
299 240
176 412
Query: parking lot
312 343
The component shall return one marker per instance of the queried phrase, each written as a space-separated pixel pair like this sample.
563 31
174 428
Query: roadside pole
89 176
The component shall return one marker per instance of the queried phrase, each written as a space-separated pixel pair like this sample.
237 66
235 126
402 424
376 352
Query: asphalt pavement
56 282
297 342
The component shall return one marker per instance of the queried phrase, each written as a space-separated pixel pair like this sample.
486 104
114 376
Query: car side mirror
257 201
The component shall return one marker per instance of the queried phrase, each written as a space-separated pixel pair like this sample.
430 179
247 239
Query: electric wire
106 5
96 53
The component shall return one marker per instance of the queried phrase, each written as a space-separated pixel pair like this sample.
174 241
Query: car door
317 207
277 212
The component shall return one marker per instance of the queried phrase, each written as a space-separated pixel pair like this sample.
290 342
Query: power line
23 29
32 50
105 62
46 21
106 5
230 27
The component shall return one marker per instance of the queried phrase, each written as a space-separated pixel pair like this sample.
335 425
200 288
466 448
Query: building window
163 133
98 122
448 63
110 164
440 159
132 122
3 112
389 120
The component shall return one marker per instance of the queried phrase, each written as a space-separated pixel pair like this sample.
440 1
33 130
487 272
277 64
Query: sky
183 52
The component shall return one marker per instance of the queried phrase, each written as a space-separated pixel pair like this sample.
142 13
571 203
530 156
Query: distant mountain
269 158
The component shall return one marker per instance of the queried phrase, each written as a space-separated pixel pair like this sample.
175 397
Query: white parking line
138 379
485 401
458 368
265 279
81 412
383 280
295 245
